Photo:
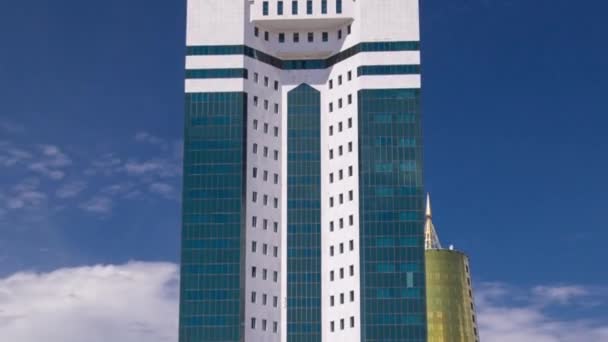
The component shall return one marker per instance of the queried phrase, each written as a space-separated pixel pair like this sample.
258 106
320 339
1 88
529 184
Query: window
331 107
350 171
324 10
294 7
265 8
254 246
254 221
338 6
265 224
256 31
296 37
351 220
331 226
331 130
350 122
352 322
325 36
351 270
341 273
265 130
342 324
331 250
341 248
275 301
276 85
350 195
331 177
341 298
265 249
340 150
276 178
276 108
350 74
275 251
331 300
340 103
350 98
350 146
348 29
265 151
266 82
276 155
331 275
281 37
331 154
331 84
264 274
266 35
253 271
252 322
255 99
255 77
331 201
352 296
264 299
275 327
264 324
341 223
254 196
341 198
339 34
255 124
332 327
255 172
340 174
275 276
275 226
253 297
280 8
275 202
309 7
311 37
351 245
340 80
340 126
265 199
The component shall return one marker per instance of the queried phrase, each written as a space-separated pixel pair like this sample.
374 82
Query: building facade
450 304
303 200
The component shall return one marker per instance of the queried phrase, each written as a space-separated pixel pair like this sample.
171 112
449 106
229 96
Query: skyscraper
450 304
303 201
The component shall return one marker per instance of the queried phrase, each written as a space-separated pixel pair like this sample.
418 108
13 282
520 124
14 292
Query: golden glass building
450 305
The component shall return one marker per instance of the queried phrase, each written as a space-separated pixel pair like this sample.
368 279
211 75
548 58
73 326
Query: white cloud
51 162
71 189
125 303
98 204
157 167
24 195
508 314
145 137
163 189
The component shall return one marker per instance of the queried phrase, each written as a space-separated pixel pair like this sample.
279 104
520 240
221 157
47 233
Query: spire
431 240
428 206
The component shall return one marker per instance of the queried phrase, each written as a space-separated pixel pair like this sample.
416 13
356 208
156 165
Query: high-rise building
303 202
450 305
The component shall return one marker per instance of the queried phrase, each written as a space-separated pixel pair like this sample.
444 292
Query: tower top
431 240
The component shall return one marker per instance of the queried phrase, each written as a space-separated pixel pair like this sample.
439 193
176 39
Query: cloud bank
139 302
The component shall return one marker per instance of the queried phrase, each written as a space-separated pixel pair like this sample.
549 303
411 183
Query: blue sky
91 98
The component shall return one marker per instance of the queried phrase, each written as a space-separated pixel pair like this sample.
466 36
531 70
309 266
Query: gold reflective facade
450 307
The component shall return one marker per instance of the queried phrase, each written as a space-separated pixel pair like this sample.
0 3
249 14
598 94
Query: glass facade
304 215
212 265
216 73
388 70
451 315
391 216
308 64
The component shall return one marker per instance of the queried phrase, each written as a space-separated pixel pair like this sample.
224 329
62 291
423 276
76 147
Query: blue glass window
265 8
388 70
294 7
216 73
280 8
309 7
304 215
338 6
324 6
